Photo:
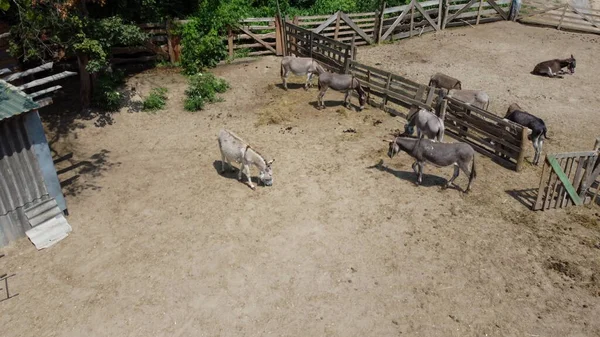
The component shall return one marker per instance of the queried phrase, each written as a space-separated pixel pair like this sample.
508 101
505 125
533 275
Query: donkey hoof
253 187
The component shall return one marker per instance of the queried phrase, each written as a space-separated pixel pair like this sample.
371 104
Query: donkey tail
473 171
545 136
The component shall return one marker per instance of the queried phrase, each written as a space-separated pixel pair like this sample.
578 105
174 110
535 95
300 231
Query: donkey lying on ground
439 154
439 80
300 66
234 148
537 126
427 123
340 82
553 68
477 98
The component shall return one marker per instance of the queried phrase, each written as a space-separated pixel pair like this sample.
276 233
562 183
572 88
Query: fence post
379 22
311 43
524 143
278 40
412 18
353 47
479 12
170 42
337 26
385 94
562 17
230 41
440 11
446 9
443 108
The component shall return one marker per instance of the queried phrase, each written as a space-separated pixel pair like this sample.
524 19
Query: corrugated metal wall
21 181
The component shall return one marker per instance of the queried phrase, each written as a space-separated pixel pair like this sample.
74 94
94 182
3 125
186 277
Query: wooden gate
474 12
565 16
569 179
413 18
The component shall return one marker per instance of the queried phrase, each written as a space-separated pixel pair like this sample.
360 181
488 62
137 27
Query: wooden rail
563 17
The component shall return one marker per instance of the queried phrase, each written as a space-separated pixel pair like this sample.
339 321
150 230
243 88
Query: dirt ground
163 245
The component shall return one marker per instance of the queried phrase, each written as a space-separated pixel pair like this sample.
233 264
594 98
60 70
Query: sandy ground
163 245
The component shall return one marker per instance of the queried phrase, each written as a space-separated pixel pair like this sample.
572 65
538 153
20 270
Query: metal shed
31 199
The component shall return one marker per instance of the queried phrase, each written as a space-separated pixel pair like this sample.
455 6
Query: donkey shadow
429 180
231 172
291 86
333 104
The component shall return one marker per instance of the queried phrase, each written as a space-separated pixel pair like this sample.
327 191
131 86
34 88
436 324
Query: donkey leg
346 103
308 77
420 178
248 177
222 163
284 79
456 173
320 104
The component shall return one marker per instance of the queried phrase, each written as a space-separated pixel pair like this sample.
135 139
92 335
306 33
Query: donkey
537 126
340 82
300 66
439 80
553 68
477 98
232 147
427 123
439 154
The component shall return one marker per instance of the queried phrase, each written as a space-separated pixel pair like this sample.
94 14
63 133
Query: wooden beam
564 180
462 10
352 25
252 35
582 15
4 35
45 91
44 102
5 71
498 9
43 67
396 22
541 12
426 16
327 22
48 79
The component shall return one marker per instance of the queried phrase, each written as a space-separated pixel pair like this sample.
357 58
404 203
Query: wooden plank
498 9
268 46
574 154
585 17
44 102
590 175
570 163
5 71
337 26
48 79
258 20
541 190
396 22
549 185
565 180
426 16
477 147
479 12
467 6
260 52
35 70
562 17
45 91
327 22
352 25
540 12
472 126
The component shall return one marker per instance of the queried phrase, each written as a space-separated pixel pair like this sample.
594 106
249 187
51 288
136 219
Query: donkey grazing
439 80
537 126
477 98
234 148
300 66
427 124
340 82
553 68
439 154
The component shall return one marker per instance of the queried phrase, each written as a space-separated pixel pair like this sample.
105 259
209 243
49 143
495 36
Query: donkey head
393 148
572 64
266 175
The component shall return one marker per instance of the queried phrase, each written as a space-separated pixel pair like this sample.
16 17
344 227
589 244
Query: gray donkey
553 68
439 80
232 147
340 82
299 66
439 154
427 123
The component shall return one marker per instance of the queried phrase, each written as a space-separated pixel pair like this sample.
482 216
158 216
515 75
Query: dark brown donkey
553 68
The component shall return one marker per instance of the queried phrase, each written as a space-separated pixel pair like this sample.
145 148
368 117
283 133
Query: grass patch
203 89
156 100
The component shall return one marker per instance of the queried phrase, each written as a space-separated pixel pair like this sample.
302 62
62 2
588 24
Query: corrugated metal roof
13 101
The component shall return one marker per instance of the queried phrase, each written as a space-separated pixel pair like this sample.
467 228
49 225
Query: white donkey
234 148
427 123
300 66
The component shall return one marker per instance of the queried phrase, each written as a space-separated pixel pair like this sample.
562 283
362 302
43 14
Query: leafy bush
203 89
106 94
200 50
156 100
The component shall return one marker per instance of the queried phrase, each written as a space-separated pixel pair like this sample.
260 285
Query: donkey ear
572 56
270 161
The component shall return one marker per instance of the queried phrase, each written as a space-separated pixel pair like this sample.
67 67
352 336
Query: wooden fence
569 179
563 16
474 12
334 55
392 89
490 135
406 21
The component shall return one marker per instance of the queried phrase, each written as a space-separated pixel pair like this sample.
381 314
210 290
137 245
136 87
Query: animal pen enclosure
499 139
569 179
563 16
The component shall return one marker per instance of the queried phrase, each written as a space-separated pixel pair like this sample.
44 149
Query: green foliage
106 94
331 6
4 5
203 89
156 100
200 50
